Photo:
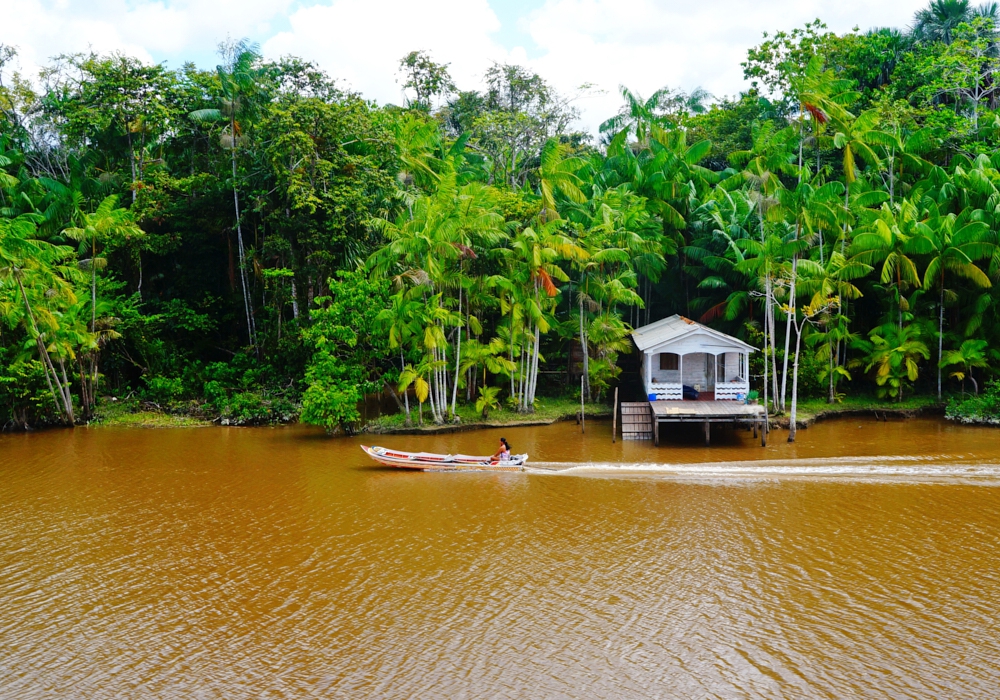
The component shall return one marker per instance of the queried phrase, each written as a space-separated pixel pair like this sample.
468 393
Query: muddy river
863 561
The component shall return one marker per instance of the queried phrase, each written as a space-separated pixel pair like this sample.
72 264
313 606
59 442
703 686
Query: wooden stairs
637 420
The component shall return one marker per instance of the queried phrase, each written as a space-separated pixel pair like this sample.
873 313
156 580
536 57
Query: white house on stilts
677 352
683 360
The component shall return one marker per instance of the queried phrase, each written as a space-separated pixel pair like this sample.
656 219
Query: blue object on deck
652 397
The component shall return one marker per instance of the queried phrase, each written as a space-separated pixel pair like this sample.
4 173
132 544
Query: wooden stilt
656 431
763 432
708 434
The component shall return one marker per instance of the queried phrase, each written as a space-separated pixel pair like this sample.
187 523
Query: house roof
675 328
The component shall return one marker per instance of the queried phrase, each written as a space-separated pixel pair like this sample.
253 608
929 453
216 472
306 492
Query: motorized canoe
430 461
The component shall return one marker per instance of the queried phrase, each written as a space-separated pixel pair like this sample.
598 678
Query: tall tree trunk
239 243
585 350
458 356
833 397
431 395
510 345
899 297
830 368
51 376
534 371
940 335
774 353
795 384
788 336
406 392
892 181
764 349
131 159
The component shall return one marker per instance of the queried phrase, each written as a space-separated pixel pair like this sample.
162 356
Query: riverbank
547 411
809 411
136 414
132 413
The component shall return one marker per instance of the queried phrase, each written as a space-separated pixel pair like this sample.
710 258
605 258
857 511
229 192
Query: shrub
163 390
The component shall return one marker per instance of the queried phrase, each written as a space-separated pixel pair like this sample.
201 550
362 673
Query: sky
644 44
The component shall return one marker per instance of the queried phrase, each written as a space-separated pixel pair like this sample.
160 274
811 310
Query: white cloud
644 44
42 29
361 41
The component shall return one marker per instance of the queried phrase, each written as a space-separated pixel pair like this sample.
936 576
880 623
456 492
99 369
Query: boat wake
889 468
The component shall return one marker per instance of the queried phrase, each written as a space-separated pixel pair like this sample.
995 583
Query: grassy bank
132 413
547 411
811 410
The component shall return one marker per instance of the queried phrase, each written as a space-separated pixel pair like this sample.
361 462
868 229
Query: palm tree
417 378
887 238
970 355
533 263
954 243
811 209
894 353
769 157
240 79
938 20
855 137
558 174
803 317
429 244
822 96
826 281
401 322
641 117
108 223
637 116
36 268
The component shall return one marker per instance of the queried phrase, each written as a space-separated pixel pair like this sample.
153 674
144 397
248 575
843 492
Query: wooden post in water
583 419
614 418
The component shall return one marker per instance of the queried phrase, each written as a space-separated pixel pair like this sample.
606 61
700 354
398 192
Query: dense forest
257 243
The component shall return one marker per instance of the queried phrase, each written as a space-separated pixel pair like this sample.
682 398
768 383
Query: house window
668 360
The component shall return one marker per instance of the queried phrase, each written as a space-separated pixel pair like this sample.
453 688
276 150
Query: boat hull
428 461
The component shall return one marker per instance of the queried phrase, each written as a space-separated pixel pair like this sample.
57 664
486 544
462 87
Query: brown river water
279 563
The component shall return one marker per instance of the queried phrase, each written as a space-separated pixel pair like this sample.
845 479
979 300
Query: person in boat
503 454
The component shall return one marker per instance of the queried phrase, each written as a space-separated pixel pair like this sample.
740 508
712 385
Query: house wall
734 367
705 360
698 371
666 376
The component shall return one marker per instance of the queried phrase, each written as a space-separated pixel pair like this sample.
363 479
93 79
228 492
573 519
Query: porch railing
667 391
731 391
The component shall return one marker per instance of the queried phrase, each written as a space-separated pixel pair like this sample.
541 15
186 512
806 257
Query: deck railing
667 391
731 391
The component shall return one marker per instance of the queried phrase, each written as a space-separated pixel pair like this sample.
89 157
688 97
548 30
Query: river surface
863 561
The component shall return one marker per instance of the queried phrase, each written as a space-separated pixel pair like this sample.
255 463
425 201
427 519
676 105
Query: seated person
503 454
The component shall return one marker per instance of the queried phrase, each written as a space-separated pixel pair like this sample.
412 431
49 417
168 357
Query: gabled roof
675 328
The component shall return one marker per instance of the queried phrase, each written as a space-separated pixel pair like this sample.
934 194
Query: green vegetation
132 413
254 244
815 408
979 408
547 410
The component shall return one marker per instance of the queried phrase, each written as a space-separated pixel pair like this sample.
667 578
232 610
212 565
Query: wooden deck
708 412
